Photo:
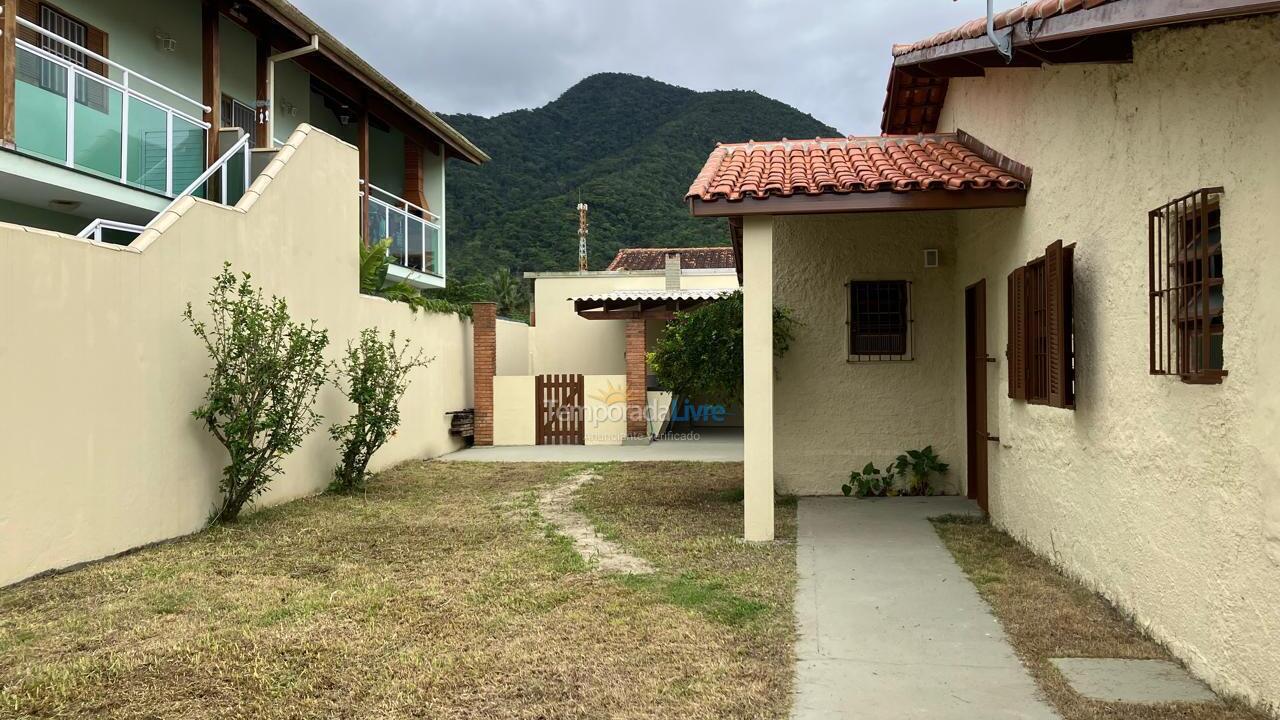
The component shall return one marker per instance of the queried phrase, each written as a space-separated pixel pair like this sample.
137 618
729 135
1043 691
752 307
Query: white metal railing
414 231
228 193
98 227
55 74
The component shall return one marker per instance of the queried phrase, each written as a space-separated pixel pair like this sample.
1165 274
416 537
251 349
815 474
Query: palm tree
507 292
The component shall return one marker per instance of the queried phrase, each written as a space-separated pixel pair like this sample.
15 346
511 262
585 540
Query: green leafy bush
267 370
700 353
914 468
376 374
374 265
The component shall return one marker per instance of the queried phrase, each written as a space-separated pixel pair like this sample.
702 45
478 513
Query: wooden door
975 374
558 407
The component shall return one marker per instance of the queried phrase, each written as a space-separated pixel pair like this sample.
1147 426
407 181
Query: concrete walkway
889 625
713 445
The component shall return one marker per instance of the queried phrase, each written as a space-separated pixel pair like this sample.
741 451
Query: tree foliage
375 263
630 145
267 370
700 353
374 376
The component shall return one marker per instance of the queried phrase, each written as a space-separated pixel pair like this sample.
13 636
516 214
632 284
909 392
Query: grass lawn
1046 615
437 594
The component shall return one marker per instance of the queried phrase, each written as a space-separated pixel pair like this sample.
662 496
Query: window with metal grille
1185 307
79 37
1041 353
879 320
238 114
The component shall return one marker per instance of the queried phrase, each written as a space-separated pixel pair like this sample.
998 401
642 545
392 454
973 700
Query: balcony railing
100 123
414 231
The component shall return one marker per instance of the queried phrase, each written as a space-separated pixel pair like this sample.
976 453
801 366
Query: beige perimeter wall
98 450
831 415
515 355
565 342
1164 496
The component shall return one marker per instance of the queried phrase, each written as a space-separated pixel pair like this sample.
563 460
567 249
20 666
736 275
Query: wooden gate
558 406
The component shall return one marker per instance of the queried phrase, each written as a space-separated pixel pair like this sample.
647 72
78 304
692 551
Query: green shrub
267 370
914 468
376 375
374 265
700 353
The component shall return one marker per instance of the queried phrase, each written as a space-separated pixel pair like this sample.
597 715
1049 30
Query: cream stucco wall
513 410
98 450
606 409
1164 496
831 415
566 343
513 349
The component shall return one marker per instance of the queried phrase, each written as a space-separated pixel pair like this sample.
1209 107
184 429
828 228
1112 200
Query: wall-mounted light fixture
288 108
931 258
165 42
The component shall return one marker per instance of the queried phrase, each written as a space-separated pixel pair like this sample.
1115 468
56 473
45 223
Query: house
1053 266
580 362
113 110
145 144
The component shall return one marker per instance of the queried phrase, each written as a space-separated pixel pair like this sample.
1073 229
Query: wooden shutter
1055 322
96 41
1017 349
1068 326
414 175
29 10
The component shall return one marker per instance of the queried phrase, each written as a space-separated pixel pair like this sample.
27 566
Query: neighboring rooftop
698 258
788 169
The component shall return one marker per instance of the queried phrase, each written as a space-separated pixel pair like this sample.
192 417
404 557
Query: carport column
757 376
484 348
637 426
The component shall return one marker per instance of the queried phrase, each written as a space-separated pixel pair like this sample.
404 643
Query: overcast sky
829 59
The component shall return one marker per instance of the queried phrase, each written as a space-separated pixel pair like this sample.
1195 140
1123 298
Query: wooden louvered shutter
96 41
1055 325
413 174
1068 327
29 10
1017 350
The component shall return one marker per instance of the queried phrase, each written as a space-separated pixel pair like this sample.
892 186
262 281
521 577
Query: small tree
376 374
700 354
267 370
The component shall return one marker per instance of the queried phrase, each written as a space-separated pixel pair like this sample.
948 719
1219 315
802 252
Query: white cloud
829 59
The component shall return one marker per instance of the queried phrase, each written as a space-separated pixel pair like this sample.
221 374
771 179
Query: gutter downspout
311 47
1002 41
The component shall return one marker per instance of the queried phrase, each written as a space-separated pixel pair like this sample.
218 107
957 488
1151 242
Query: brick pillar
484 347
637 426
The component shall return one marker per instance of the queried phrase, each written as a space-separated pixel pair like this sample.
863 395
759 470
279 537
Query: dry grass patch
1047 615
439 593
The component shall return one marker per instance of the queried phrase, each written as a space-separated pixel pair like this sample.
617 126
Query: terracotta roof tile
1034 10
690 258
847 165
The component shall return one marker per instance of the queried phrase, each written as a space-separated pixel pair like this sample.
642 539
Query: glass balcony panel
148 146
40 107
397 231
99 119
188 154
414 235
377 222
235 179
433 251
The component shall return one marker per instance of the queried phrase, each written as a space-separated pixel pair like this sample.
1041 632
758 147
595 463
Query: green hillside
630 145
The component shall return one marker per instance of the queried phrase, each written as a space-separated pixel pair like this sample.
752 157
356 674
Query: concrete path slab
1133 681
715 445
890 627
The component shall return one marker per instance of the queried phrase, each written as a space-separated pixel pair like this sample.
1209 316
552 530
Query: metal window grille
53 78
880 323
237 114
1185 310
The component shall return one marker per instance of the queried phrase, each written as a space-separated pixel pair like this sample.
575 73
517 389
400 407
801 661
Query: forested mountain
629 146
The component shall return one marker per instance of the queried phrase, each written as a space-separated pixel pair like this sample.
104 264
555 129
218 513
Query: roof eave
291 17
870 202
1103 19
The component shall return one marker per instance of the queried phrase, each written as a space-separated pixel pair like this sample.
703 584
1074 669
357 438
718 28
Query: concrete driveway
890 627
710 445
